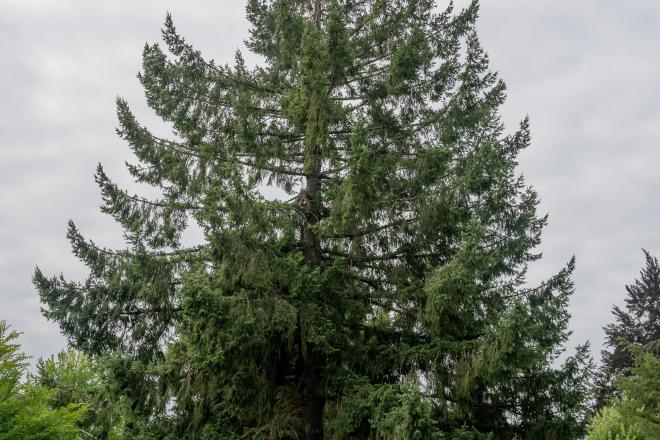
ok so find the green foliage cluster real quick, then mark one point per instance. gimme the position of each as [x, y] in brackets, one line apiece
[609, 424]
[380, 295]
[635, 414]
[638, 324]
[72, 378]
[24, 410]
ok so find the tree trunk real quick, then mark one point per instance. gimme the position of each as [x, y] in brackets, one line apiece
[313, 361]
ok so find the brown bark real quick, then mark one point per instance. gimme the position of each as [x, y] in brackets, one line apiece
[312, 359]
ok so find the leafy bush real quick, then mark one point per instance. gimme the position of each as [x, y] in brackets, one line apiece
[610, 425]
[24, 410]
[635, 415]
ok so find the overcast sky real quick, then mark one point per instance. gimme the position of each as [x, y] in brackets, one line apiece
[587, 72]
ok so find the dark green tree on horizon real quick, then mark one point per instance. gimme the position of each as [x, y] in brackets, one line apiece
[383, 296]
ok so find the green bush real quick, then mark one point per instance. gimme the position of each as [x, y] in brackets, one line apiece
[609, 424]
[635, 415]
[24, 410]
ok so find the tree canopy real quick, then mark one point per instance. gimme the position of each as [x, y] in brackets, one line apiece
[366, 237]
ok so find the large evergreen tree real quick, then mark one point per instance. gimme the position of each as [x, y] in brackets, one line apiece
[381, 295]
[638, 324]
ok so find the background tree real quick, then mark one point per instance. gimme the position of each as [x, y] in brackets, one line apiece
[638, 324]
[74, 378]
[609, 424]
[640, 402]
[365, 241]
[24, 413]
[635, 413]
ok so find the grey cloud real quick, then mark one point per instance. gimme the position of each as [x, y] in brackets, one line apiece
[64, 63]
[586, 73]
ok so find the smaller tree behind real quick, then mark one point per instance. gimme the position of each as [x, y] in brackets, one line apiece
[640, 391]
[635, 413]
[638, 324]
[609, 424]
[24, 410]
[75, 378]
[70, 374]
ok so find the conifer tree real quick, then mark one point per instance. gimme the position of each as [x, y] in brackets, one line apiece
[638, 324]
[382, 295]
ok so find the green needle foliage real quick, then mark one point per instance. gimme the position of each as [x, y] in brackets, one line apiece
[609, 424]
[635, 413]
[638, 323]
[640, 393]
[74, 378]
[366, 238]
[24, 410]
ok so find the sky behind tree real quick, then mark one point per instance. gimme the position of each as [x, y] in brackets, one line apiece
[585, 72]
